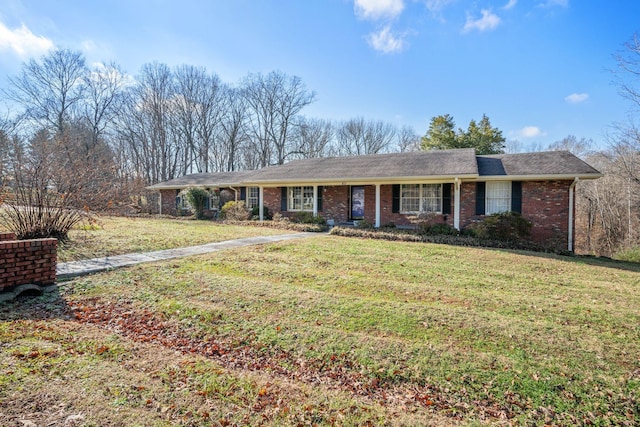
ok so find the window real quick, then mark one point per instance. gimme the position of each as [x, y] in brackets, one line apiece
[182, 204]
[498, 197]
[416, 198]
[301, 198]
[214, 201]
[253, 197]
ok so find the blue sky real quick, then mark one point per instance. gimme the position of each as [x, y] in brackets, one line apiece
[540, 69]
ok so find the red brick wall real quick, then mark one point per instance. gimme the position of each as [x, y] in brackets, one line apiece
[168, 202]
[387, 215]
[544, 203]
[27, 262]
[7, 235]
[271, 198]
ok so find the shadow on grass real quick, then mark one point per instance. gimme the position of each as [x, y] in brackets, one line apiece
[591, 260]
[31, 306]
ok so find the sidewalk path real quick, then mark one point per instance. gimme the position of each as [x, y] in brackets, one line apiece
[77, 268]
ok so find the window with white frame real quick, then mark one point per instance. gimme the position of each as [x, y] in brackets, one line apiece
[498, 197]
[301, 198]
[253, 197]
[417, 198]
[214, 201]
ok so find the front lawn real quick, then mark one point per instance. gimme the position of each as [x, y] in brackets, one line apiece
[331, 331]
[119, 235]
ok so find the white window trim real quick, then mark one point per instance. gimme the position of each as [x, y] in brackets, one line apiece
[290, 199]
[253, 200]
[420, 199]
[488, 184]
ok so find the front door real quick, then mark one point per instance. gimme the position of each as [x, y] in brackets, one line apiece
[357, 202]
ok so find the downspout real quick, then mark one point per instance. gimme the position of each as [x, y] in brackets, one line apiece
[571, 213]
[235, 192]
[160, 201]
[261, 203]
[456, 204]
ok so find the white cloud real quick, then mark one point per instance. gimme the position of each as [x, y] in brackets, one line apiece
[510, 5]
[378, 9]
[529, 132]
[23, 42]
[488, 21]
[576, 98]
[436, 5]
[385, 41]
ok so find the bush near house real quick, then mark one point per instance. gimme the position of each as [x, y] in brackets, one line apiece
[234, 211]
[504, 226]
[197, 198]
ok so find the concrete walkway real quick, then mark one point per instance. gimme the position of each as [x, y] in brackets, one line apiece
[67, 270]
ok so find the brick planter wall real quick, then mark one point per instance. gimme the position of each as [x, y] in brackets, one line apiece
[7, 236]
[27, 262]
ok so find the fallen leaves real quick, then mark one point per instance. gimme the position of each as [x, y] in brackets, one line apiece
[336, 372]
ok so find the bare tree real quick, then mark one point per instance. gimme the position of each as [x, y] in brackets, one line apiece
[313, 138]
[357, 137]
[582, 147]
[145, 126]
[274, 101]
[628, 70]
[48, 90]
[408, 139]
[103, 98]
[198, 111]
[233, 130]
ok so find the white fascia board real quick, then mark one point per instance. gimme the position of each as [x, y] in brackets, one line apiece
[570, 177]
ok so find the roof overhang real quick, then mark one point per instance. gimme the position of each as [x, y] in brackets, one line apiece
[358, 181]
[546, 177]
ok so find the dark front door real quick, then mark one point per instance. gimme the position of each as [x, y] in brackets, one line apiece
[357, 202]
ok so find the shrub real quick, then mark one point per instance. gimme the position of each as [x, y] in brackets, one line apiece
[364, 225]
[439, 229]
[255, 212]
[506, 227]
[197, 198]
[278, 217]
[234, 211]
[308, 218]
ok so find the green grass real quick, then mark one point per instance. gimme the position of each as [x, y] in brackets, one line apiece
[629, 255]
[119, 235]
[334, 331]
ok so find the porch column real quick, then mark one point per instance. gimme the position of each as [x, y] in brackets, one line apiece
[315, 200]
[377, 206]
[261, 202]
[456, 203]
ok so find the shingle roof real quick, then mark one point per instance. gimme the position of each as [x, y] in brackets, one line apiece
[559, 163]
[444, 163]
[213, 179]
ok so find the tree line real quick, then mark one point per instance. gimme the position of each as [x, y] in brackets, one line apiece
[167, 122]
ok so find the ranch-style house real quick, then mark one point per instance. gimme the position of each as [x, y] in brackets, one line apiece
[456, 187]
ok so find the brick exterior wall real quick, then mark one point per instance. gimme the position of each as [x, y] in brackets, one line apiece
[27, 262]
[544, 203]
[168, 202]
